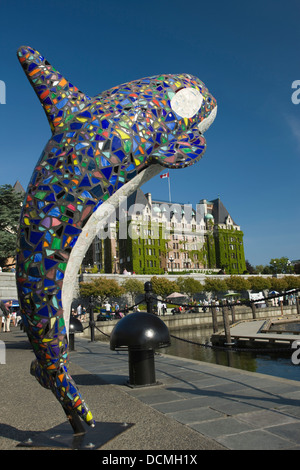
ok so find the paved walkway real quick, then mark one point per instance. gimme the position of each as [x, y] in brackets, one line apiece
[197, 406]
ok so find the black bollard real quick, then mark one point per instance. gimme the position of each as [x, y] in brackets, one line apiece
[148, 296]
[92, 321]
[140, 334]
[75, 327]
[298, 305]
[141, 368]
[71, 342]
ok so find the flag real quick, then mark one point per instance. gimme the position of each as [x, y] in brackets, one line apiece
[166, 175]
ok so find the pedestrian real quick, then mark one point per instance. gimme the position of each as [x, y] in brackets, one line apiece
[1, 314]
[14, 317]
[18, 317]
[117, 310]
[79, 310]
[107, 308]
[84, 314]
[126, 310]
[7, 316]
[159, 308]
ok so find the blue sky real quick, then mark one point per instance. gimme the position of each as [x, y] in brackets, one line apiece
[247, 54]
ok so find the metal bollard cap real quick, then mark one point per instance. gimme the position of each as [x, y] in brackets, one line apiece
[140, 331]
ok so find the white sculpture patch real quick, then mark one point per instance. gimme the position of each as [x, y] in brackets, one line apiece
[187, 102]
[207, 122]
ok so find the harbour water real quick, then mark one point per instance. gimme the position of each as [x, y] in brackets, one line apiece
[278, 364]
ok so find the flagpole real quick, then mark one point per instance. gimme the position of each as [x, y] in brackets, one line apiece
[167, 175]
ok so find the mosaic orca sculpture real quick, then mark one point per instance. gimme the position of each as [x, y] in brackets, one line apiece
[101, 148]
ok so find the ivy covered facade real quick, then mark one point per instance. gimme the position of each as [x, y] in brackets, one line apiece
[155, 237]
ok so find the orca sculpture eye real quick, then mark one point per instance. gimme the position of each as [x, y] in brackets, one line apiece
[187, 102]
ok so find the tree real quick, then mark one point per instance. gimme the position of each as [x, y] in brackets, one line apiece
[215, 285]
[281, 265]
[133, 286]
[297, 268]
[163, 287]
[279, 285]
[258, 284]
[101, 288]
[249, 267]
[189, 286]
[259, 269]
[293, 282]
[237, 283]
[10, 209]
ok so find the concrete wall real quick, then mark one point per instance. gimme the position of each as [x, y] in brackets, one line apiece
[8, 287]
[199, 276]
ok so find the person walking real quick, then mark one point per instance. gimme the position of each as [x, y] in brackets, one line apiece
[107, 308]
[117, 310]
[6, 311]
[79, 311]
[1, 314]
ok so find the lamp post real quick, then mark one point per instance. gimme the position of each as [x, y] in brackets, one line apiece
[171, 259]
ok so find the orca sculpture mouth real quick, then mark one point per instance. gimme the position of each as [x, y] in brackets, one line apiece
[207, 122]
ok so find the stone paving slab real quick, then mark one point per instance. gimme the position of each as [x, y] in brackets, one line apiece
[236, 408]
[28, 410]
[196, 406]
